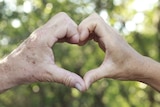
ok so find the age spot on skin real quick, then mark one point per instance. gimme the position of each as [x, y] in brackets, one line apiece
[33, 62]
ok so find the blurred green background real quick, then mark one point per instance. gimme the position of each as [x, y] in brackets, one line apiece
[137, 20]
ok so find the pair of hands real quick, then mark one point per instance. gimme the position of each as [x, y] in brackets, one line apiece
[33, 60]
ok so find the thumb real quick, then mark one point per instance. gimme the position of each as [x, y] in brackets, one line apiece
[60, 75]
[94, 75]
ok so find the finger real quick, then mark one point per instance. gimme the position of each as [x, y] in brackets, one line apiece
[94, 75]
[83, 32]
[72, 31]
[59, 28]
[72, 34]
[89, 28]
[98, 73]
[74, 39]
[81, 43]
[65, 77]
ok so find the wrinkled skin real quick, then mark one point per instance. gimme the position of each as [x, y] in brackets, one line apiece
[33, 60]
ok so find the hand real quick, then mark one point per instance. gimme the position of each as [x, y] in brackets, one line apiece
[33, 60]
[120, 58]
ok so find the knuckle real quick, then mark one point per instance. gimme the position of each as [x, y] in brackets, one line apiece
[64, 18]
[62, 14]
[37, 37]
[96, 18]
[95, 15]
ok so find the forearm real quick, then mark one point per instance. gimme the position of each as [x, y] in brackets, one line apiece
[148, 72]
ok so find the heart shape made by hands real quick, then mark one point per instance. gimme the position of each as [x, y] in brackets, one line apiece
[66, 30]
[36, 59]
[93, 27]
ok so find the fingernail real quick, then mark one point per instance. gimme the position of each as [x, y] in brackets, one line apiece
[78, 86]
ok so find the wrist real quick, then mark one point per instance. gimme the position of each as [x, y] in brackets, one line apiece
[147, 70]
[141, 69]
[151, 73]
[7, 79]
[11, 74]
[138, 69]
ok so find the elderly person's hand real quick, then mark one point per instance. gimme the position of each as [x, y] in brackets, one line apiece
[121, 61]
[33, 60]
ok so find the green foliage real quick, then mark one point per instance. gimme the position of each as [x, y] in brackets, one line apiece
[145, 38]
